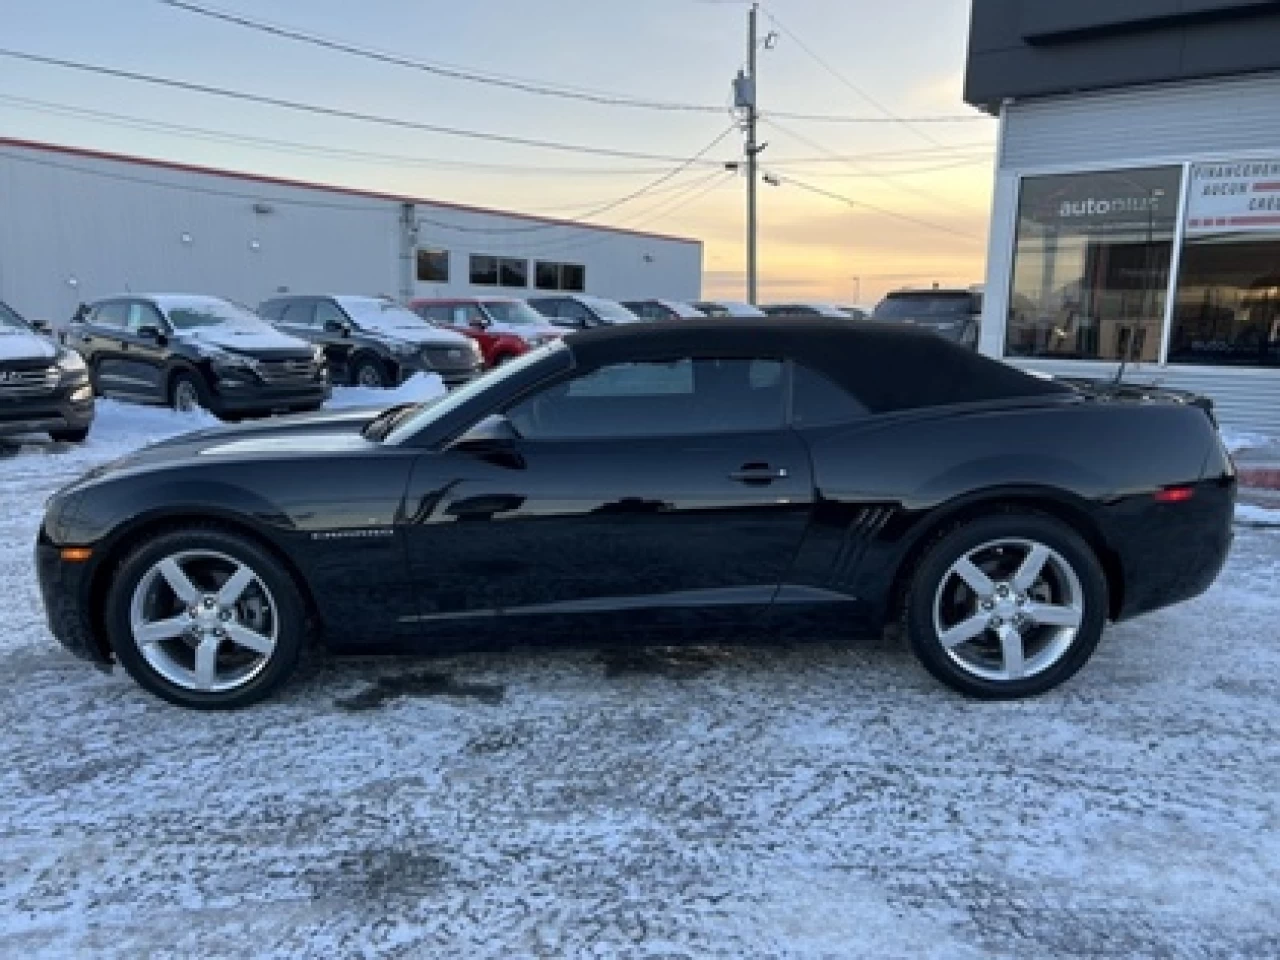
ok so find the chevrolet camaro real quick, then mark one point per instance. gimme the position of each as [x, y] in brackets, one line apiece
[655, 483]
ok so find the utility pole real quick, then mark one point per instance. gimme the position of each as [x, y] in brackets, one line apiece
[744, 99]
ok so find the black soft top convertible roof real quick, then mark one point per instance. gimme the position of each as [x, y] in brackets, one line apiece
[887, 366]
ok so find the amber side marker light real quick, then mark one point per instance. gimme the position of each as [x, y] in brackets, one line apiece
[76, 554]
[1175, 495]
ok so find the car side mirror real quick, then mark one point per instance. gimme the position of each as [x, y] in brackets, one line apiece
[493, 434]
[477, 323]
[42, 326]
[151, 332]
[338, 327]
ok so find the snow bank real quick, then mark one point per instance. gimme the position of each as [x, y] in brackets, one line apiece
[1238, 440]
[419, 387]
[1254, 516]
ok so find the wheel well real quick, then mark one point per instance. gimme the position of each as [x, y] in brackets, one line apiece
[105, 573]
[1076, 519]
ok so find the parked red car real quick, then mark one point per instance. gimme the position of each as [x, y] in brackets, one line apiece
[503, 326]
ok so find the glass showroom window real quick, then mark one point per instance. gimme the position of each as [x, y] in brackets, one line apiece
[1091, 264]
[1227, 310]
[484, 271]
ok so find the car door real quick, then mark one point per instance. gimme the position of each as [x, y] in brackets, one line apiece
[100, 338]
[653, 494]
[332, 328]
[144, 349]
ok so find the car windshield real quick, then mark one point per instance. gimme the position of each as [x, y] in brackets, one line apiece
[515, 312]
[426, 413]
[612, 312]
[955, 306]
[380, 314]
[199, 314]
[9, 320]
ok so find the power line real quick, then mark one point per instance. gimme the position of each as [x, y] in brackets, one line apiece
[639, 220]
[299, 107]
[605, 208]
[877, 209]
[847, 82]
[452, 73]
[540, 88]
[889, 178]
[833, 118]
[292, 146]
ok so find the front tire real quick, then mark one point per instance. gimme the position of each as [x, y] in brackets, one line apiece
[1006, 606]
[206, 619]
[187, 393]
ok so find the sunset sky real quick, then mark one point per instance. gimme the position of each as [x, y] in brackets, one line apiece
[903, 59]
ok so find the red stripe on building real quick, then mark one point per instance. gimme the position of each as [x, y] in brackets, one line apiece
[1262, 479]
[1269, 185]
[1257, 221]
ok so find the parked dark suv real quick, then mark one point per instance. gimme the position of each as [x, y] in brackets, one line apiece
[954, 314]
[375, 342]
[190, 351]
[44, 388]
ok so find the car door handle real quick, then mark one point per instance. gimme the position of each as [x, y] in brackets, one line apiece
[758, 473]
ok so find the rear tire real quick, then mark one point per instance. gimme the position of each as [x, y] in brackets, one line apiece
[370, 372]
[206, 619]
[69, 436]
[1006, 606]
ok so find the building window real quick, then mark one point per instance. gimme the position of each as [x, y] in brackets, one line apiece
[570, 277]
[513, 273]
[1091, 264]
[1227, 309]
[499, 272]
[573, 277]
[433, 266]
[484, 271]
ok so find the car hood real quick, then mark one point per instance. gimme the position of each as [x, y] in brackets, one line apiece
[20, 345]
[421, 334]
[286, 438]
[246, 340]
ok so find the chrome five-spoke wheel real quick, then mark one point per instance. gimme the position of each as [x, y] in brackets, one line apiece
[1008, 609]
[204, 621]
[1006, 605]
[206, 617]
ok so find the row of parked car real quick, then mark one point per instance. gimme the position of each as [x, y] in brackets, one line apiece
[190, 351]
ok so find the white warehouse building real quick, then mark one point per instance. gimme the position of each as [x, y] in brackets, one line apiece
[80, 224]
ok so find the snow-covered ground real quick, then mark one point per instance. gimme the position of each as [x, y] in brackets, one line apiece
[824, 799]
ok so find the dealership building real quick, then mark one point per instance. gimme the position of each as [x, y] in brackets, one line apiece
[80, 224]
[1137, 199]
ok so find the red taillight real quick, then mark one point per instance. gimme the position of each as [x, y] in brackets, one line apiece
[1175, 495]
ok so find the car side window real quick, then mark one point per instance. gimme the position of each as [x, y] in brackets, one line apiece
[466, 315]
[680, 397]
[111, 315]
[299, 313]
[817, 401]
[141, 315]
[574, 313]
[440, 315]
[326, 313]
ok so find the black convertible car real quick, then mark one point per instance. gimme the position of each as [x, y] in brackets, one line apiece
[718, 478]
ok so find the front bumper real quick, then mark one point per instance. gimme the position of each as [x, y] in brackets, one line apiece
[257, 397]
[452, 375]
[64, 587]
[52, 412]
